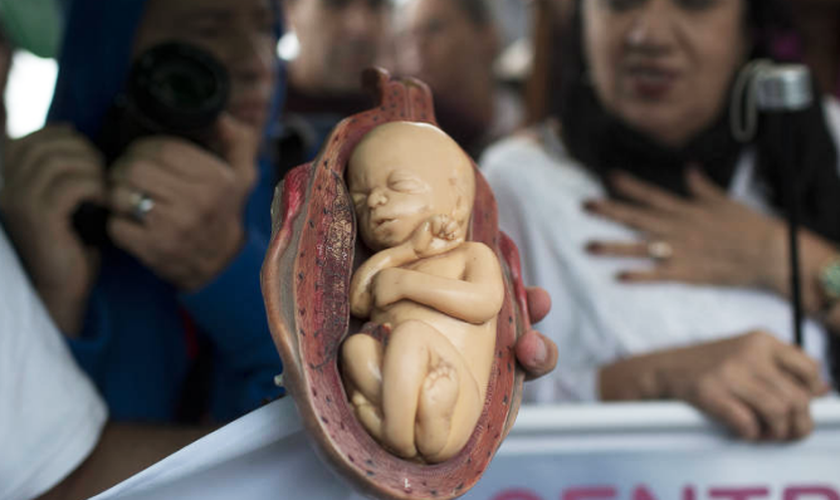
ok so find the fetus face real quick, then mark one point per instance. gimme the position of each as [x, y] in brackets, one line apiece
[399, 176]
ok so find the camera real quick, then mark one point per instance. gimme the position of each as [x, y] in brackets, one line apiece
[172, 89]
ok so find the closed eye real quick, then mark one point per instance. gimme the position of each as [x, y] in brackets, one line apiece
[411, 186]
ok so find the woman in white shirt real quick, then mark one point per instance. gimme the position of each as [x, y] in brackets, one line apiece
[660, 237]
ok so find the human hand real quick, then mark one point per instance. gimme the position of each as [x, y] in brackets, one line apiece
[710, 239]
[194, 228]
[536, 353]
[48, 175]
[436, 236]
[361, 298]
[756, 385]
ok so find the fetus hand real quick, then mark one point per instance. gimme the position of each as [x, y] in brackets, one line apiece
[436, 236]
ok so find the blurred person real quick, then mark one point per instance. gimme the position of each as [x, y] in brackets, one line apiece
[338, 40]
[167, 320]
[549, 25]
[661, 237]
[452, 46]
[53, 429]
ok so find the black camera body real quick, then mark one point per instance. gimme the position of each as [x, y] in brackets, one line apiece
[172, 89]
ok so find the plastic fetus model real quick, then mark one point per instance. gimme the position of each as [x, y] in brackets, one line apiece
[317, 267]
[422, 392]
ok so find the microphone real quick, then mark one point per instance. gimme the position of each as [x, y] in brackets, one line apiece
[782, 90]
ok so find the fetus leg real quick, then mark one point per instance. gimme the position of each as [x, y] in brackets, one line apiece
[361, 361]
[422, 377]
[449, 404]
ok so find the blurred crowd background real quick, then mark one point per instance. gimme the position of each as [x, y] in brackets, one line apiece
[646, 194]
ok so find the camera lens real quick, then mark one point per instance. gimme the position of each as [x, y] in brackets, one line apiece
[172, 89]
[182, 87]
[178, 88]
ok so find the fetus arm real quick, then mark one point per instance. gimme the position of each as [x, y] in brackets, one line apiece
[476, 298]
[360, 297]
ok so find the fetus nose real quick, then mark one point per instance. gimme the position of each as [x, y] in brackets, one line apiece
[377, 198]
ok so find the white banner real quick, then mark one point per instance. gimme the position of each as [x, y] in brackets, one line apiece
[657, 452]
[628, 452]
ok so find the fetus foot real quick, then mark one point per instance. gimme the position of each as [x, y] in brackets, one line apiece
[368, 414]
[436, 405]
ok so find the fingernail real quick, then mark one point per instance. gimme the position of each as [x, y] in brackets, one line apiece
[540, 353]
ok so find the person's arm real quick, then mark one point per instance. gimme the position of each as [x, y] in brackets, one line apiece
[122, 451]
[711, 239]
[199, 238]
[755, 384]
[47, 176]
[435, 236]
[476, 298]
[360, 286]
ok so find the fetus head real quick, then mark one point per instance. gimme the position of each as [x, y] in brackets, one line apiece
[403, 173]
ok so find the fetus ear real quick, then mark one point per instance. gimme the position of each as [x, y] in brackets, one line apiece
[464, 190]
[462, 210]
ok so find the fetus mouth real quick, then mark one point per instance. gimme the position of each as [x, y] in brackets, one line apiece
[382, 221]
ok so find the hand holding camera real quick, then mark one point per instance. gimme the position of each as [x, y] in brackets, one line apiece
[181, 168]
[194, 228]
[48, 174]
[168, 184]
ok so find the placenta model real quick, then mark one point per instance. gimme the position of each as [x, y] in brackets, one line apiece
[421, 390]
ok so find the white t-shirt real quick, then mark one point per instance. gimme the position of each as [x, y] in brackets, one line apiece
[50, 413]
[595, 319]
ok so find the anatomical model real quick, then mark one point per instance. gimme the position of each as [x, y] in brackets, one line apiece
[427, 272]
[422, 392]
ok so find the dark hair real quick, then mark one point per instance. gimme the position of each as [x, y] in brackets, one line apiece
[478, 11]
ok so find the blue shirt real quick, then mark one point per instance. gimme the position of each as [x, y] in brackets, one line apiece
[135, 339]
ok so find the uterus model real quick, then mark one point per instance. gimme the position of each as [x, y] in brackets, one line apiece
[395, 302]
[421, 393]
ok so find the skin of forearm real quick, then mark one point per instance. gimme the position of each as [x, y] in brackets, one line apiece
[392, 257]
[67, 314]
[633, 379]
[360, 302]
[123, 450]
[472, 302]
[386, 259]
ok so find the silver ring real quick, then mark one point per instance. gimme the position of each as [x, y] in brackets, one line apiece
[141, 205]
[660, 250]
